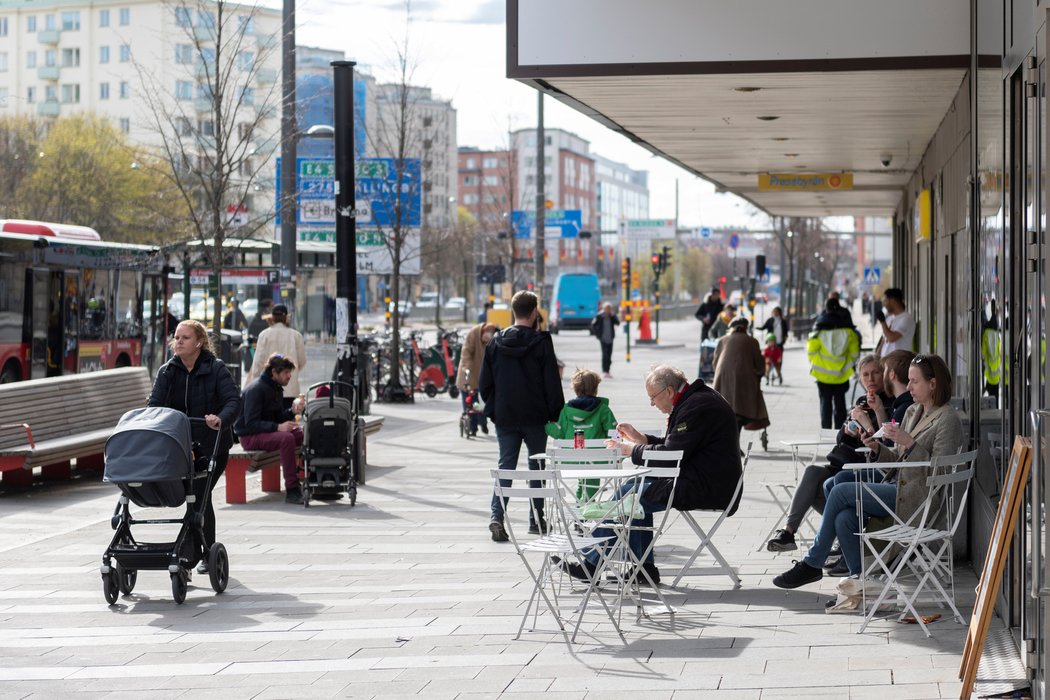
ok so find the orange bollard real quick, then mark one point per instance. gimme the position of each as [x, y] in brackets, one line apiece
[645, 333]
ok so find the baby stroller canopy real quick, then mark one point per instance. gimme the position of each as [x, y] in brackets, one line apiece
[150, 445]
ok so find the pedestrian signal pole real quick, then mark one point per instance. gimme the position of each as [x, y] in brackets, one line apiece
[626, 284]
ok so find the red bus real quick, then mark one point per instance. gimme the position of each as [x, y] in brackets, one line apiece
[71, 302]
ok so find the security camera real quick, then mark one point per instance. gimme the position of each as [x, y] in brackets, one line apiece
[886, 159]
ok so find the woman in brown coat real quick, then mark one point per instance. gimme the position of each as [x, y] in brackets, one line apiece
[469, 372]
[739, 369]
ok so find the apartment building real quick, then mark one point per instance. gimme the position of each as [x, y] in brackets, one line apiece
[569, 178]
[621, 193]
[488, 187]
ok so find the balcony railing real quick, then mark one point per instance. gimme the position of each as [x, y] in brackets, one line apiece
[47, 72]
[48, 108]
[48, 37]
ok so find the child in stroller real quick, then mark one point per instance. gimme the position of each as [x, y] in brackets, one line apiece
[151, 457]
[333, 445]
[471, 416]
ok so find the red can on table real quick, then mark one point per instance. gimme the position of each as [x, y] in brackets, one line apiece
[577, 439]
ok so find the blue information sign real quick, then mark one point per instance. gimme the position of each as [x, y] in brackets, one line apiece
[734, 241]
[569, 221]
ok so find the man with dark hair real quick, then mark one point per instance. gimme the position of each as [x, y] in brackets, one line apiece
[898, 327]
[708, 312]
[522, 392]
[266, 425]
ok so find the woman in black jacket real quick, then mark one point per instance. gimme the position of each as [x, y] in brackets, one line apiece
[197, 383]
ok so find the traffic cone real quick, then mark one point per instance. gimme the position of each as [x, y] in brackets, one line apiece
[645, 333]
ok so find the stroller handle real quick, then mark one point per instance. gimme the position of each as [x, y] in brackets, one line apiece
[215, 447]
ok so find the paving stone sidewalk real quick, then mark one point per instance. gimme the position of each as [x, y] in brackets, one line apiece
[405, 595]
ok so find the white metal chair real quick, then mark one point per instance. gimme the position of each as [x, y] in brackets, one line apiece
[560, 541]
[594, 443]
[782, 493]
[706, 538]
[916, 553]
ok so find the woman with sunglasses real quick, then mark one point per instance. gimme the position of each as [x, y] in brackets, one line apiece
[930, 428]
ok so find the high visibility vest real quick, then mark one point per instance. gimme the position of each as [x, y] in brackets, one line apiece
[831, 354]
[991, 355]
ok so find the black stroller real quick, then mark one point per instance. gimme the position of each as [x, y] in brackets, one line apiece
[333, 446]
[152, 458]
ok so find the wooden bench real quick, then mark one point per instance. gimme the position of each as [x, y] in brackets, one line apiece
[50, 422]
[242, 462]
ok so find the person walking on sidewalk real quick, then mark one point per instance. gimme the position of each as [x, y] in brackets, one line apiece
[470, 359]
[266, 425]
[739, 369]
[522, 392]
[603, 327]
[708, 312]
[832, 349]
[284, 340]
[197, 383]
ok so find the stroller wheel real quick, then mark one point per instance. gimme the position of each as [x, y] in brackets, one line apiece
[111, 586]
[126, 579]
[178, 587]
[453, 391]
[352, 492]
[218, 567]
[430, 390]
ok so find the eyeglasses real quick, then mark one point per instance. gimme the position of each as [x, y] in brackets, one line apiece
[652, 397]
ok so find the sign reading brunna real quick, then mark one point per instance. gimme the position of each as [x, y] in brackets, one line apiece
[804, 182]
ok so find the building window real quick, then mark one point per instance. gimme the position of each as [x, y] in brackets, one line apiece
[471, 163]
[3, 61]
[490, 180]
[206, 19]
[103, 91]
[71, 94]
[183, 126]
[3, 26]
[248, 95]
[49, 23]
[103, 18]
[183, 17]
[247, 24]
[30, 95]
[183, 54]
[31, 24]
[470, 199]
[70, 21]
[50, 58]
[125, 90]
[103, 54]
[125, 16]
[70, 58]
[183, 90]
[125, 124]
[206, 127]
[245, 60]
[50, 94]
[125, 53]
[30, 59]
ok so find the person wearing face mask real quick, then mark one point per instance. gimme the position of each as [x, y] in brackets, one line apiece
[197, 383]
[467, 375]
[520, 386]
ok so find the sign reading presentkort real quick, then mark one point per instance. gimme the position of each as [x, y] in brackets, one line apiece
[804, 182]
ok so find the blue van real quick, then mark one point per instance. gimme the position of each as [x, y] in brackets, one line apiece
[576, 300]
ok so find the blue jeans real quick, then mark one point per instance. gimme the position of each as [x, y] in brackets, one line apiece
[509, 439]
[638, 540]
[848, 476]
[840, 519]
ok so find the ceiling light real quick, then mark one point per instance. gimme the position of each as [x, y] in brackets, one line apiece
[780, 138]
[791, 155]
[768, 118]
[747, 89]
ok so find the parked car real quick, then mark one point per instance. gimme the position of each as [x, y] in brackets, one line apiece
[404, 307]
[456, 303]
[577, 296]
[427, 300]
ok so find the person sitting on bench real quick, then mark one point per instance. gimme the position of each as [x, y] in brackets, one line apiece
[266, 425]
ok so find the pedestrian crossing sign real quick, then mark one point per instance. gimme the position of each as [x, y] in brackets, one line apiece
[872, 276]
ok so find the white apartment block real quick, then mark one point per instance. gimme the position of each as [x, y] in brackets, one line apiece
[622, 193]
[568, 171]
[62, 57]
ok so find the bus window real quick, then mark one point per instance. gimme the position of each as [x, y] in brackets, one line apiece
[12, 294]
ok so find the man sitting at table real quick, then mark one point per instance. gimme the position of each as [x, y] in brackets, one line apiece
[701, 424]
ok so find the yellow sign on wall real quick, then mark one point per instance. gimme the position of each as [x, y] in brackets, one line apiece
[922, 223]
[804, 182]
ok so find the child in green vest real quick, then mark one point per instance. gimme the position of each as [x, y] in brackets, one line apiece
[587, 412]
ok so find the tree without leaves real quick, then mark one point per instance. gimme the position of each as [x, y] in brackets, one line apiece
[218, 155]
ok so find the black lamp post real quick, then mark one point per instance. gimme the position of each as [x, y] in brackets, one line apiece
[345, 229]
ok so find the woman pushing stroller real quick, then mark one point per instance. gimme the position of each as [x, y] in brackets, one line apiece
[197, 383]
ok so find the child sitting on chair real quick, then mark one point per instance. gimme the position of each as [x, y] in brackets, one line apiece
[774, 355]
[587, 412]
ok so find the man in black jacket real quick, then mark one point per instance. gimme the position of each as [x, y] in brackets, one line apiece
[701, 424]
[708, 312]
[522, 392]
[266, 425]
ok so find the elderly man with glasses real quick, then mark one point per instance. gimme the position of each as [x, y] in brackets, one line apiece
[701, 424]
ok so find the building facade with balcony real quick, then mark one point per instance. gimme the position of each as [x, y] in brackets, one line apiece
[620, 193]
[488, 187]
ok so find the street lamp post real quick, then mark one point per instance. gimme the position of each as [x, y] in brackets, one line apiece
[345, 230]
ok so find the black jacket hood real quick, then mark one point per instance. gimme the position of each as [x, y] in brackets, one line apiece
[517, 341]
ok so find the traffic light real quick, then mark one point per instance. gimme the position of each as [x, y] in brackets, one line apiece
[666, 259]
[760, 266]
[656, 263]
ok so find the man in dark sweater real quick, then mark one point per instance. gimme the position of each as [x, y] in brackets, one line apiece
[701, 424]
[265, 424]
[520, 386]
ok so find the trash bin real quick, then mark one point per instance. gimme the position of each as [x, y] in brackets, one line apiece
[229, 343]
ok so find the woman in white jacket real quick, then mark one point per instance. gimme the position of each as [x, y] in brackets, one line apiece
[285, 341]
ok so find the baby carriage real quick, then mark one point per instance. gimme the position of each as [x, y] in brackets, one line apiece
[152, 458]
[472, 401]
[707, 360]
[333, 449]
